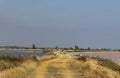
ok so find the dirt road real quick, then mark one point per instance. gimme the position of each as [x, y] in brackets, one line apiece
[56, 68]
[64, 66]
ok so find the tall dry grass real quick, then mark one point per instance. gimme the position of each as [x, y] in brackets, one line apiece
[91, 69]
[18, 72]
[23, 69]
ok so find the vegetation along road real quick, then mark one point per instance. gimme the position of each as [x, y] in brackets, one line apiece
[63, 66]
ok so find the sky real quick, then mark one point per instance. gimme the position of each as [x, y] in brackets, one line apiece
[48, 23]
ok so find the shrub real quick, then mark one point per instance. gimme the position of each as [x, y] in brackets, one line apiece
[83, 58]
[34, 58]
[7, 62]
[13, 59]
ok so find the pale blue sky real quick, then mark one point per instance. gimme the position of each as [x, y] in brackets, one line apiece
[47, 23]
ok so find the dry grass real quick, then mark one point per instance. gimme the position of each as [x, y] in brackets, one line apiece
[91, 69]
[23, 69]
[108, 63]
[65, 66]
[18, 72]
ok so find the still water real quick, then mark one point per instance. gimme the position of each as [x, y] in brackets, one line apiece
[22, 53]
[115, 56]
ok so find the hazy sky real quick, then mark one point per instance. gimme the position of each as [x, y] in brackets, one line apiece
[87, 23]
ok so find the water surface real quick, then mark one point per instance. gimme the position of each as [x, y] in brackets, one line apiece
[22, 53]
[115, 56]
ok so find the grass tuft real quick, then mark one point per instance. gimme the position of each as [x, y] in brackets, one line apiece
[108, 63]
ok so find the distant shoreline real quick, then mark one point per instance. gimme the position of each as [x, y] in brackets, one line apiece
[18, 49]
[52, 49]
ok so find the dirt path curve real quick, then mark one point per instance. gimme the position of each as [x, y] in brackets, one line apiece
[56, 68]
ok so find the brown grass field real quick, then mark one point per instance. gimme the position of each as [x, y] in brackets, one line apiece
[63, 66]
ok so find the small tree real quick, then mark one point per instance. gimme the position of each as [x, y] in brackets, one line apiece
[56, 47]
[71, 48]
[33, 47]
[88, 48]
[76, 47]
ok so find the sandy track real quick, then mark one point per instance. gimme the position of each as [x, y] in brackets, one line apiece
[65, 66]
[56, 68]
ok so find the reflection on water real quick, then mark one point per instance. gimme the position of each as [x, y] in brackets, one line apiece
[22, 52]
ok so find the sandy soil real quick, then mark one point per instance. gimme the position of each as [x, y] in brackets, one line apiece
[65, 66]
[56, 68]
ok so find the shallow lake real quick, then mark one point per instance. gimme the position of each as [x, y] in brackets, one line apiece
[115, 56]
[22, 53]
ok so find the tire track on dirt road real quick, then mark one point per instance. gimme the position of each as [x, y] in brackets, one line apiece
[56, 68]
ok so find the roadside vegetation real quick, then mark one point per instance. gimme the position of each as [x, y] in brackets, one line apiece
[63, 66]
[108, 63]
[7, 62]
[20, 66]
[95, 68]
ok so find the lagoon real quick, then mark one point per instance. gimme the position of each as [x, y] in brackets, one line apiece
[115, 56]
[22, 52]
